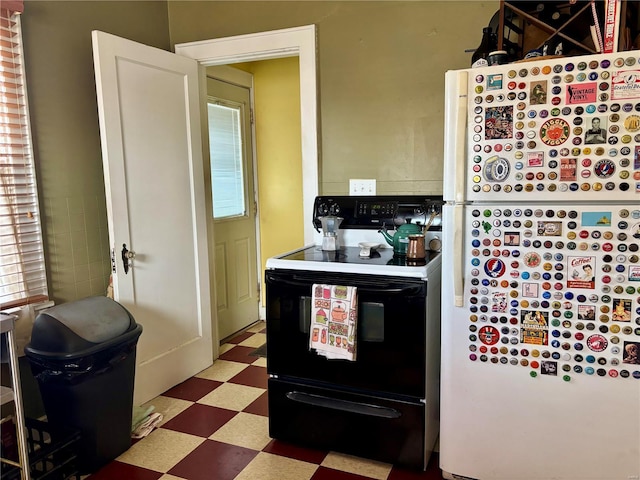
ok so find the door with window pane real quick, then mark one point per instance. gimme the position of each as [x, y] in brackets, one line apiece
[233, 198]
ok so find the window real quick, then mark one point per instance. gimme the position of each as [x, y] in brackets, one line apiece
[225, 150]
[22, 268]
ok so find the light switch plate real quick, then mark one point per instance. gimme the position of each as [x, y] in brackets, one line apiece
[362, 186]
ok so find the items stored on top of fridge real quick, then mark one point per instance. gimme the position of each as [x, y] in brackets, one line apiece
[487, 45]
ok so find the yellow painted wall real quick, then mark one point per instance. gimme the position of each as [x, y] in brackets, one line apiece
[279, 157]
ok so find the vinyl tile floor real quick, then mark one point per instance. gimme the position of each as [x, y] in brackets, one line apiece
[215, 427]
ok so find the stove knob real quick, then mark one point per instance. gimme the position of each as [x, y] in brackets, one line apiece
[323, 210]
[435, 244]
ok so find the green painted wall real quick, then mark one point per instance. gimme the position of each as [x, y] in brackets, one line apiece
[381, 77]
[64, 119]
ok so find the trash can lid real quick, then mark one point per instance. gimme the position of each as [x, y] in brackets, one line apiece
[77, 325]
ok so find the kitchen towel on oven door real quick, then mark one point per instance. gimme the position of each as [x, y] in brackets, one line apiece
[334, 318]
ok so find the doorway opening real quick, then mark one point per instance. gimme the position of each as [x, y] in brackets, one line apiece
[300, 42]
[233, 221]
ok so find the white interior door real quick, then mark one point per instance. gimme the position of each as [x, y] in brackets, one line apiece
[149, 109]
[234, 206]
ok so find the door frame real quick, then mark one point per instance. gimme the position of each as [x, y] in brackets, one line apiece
[289, 42]
[244, 79]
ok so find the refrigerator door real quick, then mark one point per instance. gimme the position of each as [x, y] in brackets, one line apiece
[540, 358]
[561, 129]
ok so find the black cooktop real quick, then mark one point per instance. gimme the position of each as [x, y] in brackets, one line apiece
[383, 256]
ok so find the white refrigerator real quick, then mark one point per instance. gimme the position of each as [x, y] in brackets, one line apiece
[541, 271]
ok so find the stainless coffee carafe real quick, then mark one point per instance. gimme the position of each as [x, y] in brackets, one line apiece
[330, 226]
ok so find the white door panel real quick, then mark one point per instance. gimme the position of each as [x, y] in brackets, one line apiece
[148, 102]
[245, 272]
[235, 236]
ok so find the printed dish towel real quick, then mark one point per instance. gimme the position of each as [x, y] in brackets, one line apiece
[334, 318]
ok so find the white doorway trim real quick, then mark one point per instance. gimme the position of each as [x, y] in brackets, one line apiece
[290, 42]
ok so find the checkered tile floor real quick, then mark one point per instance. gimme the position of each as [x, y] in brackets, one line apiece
[216, 427]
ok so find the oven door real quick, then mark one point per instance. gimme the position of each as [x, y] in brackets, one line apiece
[391, 333]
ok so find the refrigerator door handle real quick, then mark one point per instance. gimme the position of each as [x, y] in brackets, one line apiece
[458, 249]
[460, 133]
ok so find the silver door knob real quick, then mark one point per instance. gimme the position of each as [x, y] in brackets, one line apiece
[127, 258]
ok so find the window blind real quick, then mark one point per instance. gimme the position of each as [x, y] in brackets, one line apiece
[22, 267]
[227, 175]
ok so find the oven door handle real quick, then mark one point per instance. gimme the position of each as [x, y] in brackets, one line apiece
[343, 405]
[412, 290]
[385, 289]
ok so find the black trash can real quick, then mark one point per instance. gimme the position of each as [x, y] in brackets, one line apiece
[83, 355]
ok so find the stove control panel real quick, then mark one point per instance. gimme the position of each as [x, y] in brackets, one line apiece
[374, 212]
[376, 209]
